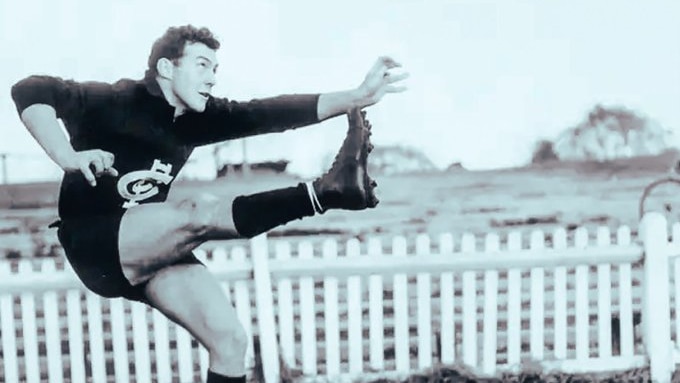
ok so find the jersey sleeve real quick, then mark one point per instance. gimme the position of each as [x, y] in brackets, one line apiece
[225, 120]
[70, 99]
[64, 96]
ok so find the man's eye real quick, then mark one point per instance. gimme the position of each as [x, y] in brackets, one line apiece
[204, 65]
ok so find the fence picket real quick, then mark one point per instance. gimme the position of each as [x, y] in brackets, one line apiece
[94, 332]
[400, 298]
[285, 309]
[676, 278]
[185, 366]
[675, 239]
[582, 309]
[8, 330]
[121, 362]
[446, 299]
[307, 315]
[161, 346]
[537, 310]
[375, 311]
[604, 299]
[243, 307]
[354, 314]
[140, 342]
[203, 357]
[424, 307]
[625, 298]
[55, 367]
[560, 298]
[469, 307]
[656, 303]
[514, 305]
[30, 331]
[204, 361]
[332, 328]
[490, 332]
[264, 300]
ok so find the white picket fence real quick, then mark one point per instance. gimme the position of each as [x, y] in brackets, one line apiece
[335, 311]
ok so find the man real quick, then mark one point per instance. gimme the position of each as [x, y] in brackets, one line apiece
[118, 232]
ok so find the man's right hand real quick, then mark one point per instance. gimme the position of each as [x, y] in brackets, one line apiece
[41, 121]
[92, 164]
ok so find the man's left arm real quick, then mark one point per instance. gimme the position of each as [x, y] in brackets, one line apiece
[224, 120]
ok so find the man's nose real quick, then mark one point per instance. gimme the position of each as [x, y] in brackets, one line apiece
[212, 79]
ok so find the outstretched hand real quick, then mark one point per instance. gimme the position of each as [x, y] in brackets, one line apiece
[380, 81]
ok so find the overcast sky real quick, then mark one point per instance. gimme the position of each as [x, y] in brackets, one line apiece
[488, 78]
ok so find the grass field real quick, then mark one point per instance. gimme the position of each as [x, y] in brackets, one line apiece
[556, 195]
[545, 197]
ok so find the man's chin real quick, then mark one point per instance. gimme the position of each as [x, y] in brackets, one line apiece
[199, 108]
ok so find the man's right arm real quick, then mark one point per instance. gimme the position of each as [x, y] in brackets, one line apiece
[40, 101]
[41, 121]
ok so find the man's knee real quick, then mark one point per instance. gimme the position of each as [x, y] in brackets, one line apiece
[228, 336]
[199, 211]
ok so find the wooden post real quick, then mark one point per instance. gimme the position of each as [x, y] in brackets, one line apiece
[265, 309]
[8, 340]
[401, 318]
[375, 311]
[469, 307]
[3, 165]
[424, 308]
[331, 322]
[245, 165]
[55, 367]
[490, 326]
[656, 323]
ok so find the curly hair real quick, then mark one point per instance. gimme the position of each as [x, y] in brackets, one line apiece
[171, 44]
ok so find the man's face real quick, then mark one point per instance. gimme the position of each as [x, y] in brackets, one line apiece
[194, 76]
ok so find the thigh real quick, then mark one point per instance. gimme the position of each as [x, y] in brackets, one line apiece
[151, 237]
[192, 297]
[155, 235]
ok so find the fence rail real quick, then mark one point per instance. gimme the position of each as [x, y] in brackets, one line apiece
[336, 311]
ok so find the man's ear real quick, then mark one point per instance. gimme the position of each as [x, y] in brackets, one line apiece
[165, 67]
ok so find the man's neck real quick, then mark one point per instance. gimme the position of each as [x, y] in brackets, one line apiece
[170, 97]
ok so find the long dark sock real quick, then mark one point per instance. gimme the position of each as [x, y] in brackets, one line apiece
[257, 213]
[214, 377]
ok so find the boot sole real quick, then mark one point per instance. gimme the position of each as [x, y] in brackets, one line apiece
[357, 120]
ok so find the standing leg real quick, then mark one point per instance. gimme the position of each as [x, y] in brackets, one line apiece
[191, 297]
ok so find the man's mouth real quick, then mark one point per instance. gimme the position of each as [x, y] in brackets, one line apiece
[204, 94]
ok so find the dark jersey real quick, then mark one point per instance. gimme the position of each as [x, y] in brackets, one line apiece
[132, 120]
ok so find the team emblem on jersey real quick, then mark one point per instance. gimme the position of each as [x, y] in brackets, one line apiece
[143, 184]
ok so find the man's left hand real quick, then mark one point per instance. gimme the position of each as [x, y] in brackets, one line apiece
[380, 81]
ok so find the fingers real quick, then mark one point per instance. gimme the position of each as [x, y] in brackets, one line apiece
[382, 64]
[87, 173]
[390, 78]
[388, 62]
[107, 159]
[111, 172]
[103, 163]
[97, 163]
[395, 89]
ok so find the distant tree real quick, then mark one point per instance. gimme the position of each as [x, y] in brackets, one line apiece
[611, 132]
[544, 151]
